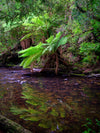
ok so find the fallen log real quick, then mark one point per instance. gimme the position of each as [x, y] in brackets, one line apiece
[10, 126]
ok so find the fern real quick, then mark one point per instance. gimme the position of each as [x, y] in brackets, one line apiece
[31, 59]
[34, 53]
[17, 111]
[26, 36]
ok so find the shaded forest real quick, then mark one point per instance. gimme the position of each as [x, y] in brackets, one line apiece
[50, 66]
[58, 35]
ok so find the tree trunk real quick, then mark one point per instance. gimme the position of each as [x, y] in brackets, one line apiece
[55, 60]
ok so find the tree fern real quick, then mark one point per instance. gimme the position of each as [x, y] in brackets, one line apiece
[34, 53]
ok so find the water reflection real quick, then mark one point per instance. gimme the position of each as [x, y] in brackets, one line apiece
[54, 103]
[50, 112]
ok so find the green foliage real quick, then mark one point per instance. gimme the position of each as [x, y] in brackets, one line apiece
[86, 15]
[53, 43]
[16, 111]
[92, 127]
[83, 31]
[40, 27]
[34, 53]
[13, 9]
[88, 49]
[37, 27]
[9, 35]
[79, 20]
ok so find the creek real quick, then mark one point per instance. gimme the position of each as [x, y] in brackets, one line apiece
[48, 103]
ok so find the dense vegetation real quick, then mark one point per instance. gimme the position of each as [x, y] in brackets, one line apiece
[60, 32]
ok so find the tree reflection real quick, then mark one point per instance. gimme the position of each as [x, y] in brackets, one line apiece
[42, 107]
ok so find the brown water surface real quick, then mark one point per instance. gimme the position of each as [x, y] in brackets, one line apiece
[49, 103]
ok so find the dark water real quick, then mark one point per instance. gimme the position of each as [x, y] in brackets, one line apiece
[51, 104]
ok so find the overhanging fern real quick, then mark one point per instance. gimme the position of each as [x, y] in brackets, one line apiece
[34, 53]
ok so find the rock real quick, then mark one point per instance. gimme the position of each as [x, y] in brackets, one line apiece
[94, 75]
[65, 79]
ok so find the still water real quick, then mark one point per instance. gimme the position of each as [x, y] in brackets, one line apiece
[49, 104]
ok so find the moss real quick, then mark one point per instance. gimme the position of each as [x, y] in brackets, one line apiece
[80, 75]
[11, 126]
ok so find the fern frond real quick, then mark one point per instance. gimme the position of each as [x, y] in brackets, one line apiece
[25, 50]
[17, 111]
[26, 36]
[62, 41]
[45, 51]
[31, 49]
[49, 40]
[32, 58]
[22, 63]
[32, 52]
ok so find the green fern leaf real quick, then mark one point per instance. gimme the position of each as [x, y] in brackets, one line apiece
[33, 111]
[31, 118]
[49, 40]
[62, 41]
[22, 63]
[28, 61]
[31, 52]
[45, 51]
[16, 111]
[31, 59]
[26, 36]
[25, 50]
[44, 125]
[58, 35]
[54, 112]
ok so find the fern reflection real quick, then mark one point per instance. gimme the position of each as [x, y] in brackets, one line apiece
[48, 111]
